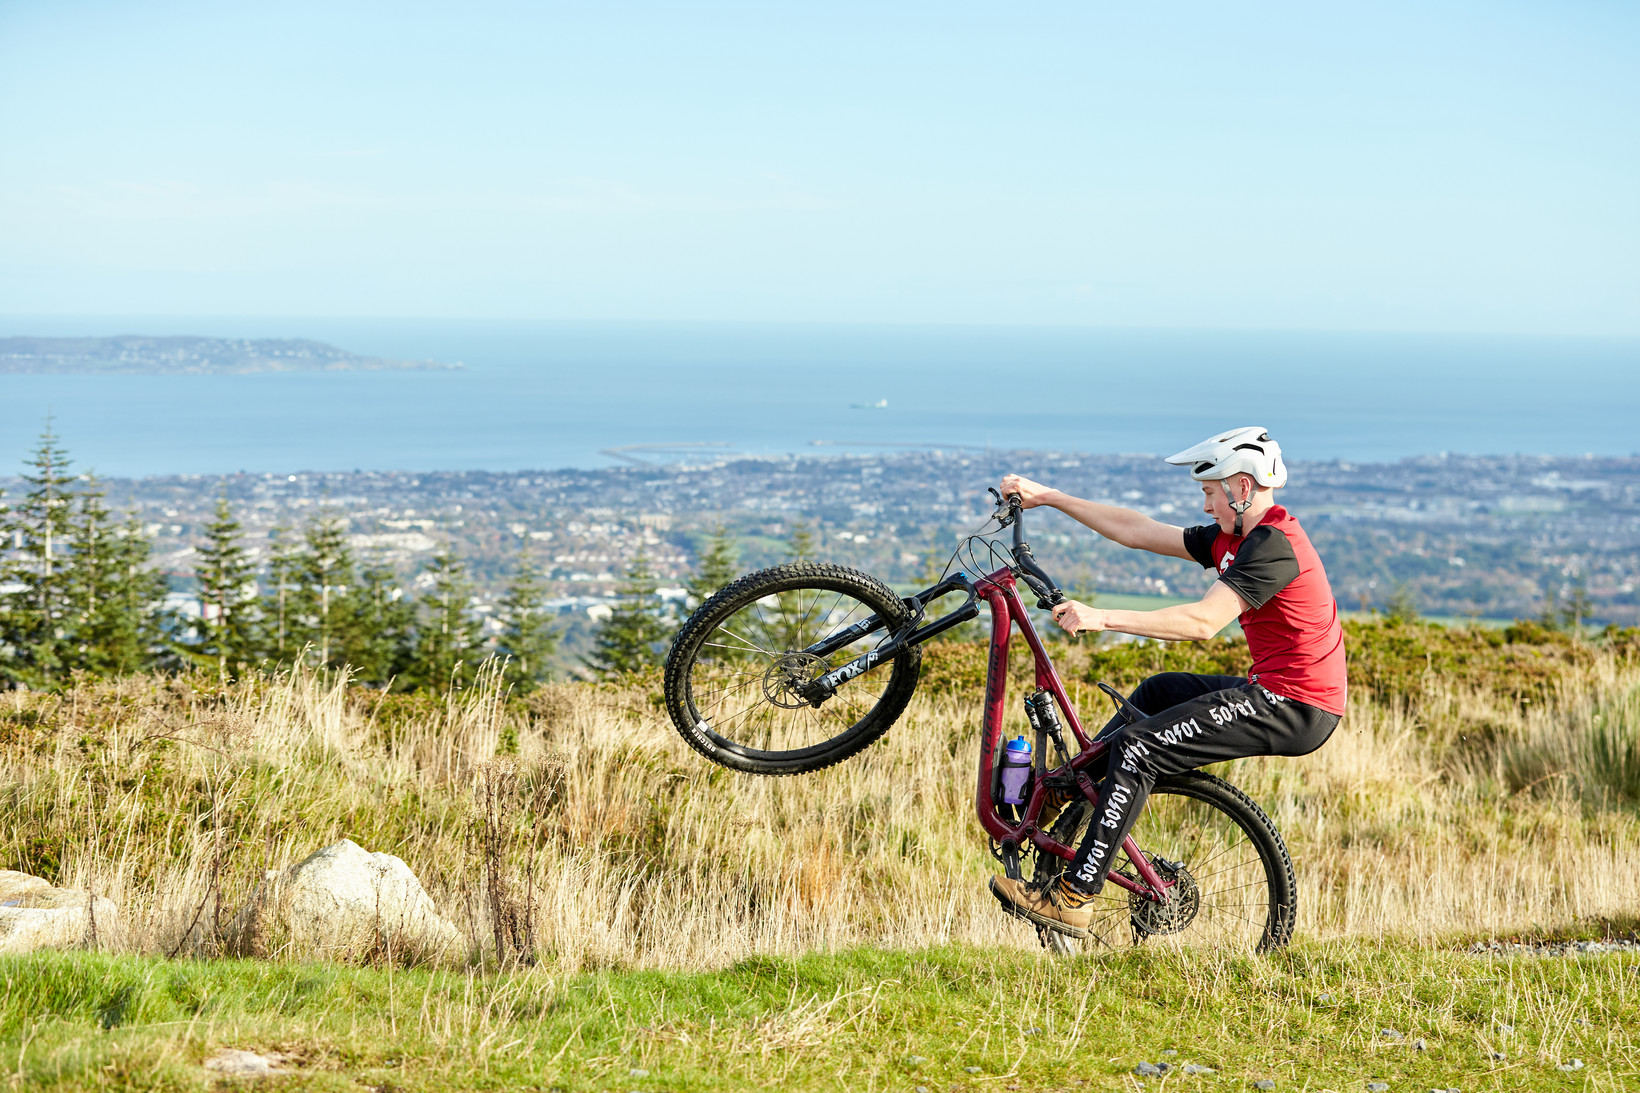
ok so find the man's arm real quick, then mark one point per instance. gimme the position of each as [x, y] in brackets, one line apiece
[1119, 525]
[1185, 622]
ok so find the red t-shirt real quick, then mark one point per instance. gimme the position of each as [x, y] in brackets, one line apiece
[1292, 622]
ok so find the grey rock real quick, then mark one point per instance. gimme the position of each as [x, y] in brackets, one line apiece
[1506, 1029]
[342, 902]
[1033, 1031]
[1391, 1034]
[36, 915]
[243, 1064]
[1497, 1056]
[973, 1069]
[638, 1072]
[1264, 1083]
[922, 1089]
[1193, 1068]
[1419, 1045]
[1171, 1051]
[1148, 1070]
[1325, 999]
[1377, 1087]
[1575, 1064]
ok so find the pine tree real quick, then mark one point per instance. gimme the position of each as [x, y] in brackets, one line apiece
[1578, 606]
[227, 601]
[629, 640]
[447, 646]
[40, 526]
[321, 605]
[527, 635]
[801, 546]
[1552, 618]
[715, 568]
[93, 569]
[134, 624]
[276, 607]
[109, 630]
[384, 627]
[1402, 605]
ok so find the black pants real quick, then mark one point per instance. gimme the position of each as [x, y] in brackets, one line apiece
[1200, 720]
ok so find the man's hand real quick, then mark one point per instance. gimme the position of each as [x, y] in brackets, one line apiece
[1075, 617]
[1031, 494]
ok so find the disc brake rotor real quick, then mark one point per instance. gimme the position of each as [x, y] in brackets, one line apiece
[1178, 912]
[786, 678]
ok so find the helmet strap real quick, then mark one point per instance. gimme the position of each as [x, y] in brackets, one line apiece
[1238, 507]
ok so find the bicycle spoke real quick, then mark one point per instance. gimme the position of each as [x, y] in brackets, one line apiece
[750, 644]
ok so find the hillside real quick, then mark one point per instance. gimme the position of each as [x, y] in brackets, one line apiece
[675, 917]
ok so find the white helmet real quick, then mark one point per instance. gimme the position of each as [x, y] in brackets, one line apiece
[1247, 450]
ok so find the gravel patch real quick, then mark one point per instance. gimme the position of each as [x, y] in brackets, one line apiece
[1551, 948]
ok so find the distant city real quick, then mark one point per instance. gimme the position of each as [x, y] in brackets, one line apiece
[1491, 538]
[186, 355]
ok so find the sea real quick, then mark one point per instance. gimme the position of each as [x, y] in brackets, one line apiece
[547, 395]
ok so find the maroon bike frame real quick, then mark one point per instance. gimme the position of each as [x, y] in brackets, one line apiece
[1007, 611]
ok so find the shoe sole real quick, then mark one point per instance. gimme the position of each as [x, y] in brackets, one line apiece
[1054, 924]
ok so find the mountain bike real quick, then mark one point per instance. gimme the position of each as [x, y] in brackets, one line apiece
[795, 668]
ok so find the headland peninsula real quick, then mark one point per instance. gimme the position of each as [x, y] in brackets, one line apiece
[187, 355]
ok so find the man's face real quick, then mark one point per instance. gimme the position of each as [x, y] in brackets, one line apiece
[1216, 505]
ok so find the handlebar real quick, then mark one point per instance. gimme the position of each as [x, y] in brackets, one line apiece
[1026, 567]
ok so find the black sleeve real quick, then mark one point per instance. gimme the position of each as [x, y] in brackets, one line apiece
[1264, 565]
[1199, 542]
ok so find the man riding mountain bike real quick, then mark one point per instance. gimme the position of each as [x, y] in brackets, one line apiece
[1272, 580]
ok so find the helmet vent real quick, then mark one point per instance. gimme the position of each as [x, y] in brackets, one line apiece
[1202, 468]
[1249, 448]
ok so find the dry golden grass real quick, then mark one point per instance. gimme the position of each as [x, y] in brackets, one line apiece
[610, 843]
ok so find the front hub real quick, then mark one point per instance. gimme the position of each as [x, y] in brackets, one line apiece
[789, 681]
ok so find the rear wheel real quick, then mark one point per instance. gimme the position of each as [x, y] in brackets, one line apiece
[1233, 880]
[737, 673]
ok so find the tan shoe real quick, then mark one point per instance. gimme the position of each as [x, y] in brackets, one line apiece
[1053, 906]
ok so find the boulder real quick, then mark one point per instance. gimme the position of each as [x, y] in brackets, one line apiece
[244, 1064]
[35, 915]
[343, 903]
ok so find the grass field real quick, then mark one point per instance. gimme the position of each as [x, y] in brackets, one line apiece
[712, 928]
[1322, 1016]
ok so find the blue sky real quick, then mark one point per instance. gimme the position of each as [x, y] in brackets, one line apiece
[1380, 166]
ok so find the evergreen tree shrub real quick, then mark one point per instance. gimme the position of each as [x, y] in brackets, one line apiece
[528, 638]
[632, 638]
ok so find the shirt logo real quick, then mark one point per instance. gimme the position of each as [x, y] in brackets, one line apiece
[1226, 561]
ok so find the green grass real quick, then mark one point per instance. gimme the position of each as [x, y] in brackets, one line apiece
[1310, 1019]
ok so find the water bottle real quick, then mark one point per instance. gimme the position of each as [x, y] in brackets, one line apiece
[1016, 770]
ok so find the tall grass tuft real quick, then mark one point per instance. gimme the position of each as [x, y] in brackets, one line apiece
[1587, 748]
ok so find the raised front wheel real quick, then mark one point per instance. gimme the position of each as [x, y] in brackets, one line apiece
[739, 676]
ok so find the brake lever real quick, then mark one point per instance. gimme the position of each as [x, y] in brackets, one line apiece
[1004, 514]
